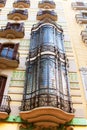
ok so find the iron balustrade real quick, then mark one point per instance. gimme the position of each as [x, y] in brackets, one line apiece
[45, 1]
[24, 1]
[3, 1]
[13, 26]
[84, 35]
[5, 103]
[79, 5]
[81, 17]
[24, 12]
[44, 98]
[41, 12]
[46, 48]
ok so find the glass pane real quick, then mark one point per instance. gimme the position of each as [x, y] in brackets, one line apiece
[10, 53]
[43, 74]
[30, 79]
[60, 42]
[52, 72]
[7, 52]
[34, 40]
[64, 80]
[4, 52]
[48, 36]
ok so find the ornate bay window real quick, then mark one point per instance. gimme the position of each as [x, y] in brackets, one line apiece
[46, 99]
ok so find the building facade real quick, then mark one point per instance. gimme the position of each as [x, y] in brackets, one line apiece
[43, 65]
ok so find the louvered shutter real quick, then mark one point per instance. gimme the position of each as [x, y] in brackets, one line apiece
[15, 50]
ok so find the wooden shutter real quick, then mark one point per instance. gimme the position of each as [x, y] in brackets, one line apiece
[1, 47]
[15, 50]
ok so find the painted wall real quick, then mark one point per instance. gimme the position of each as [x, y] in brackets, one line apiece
[76, 52]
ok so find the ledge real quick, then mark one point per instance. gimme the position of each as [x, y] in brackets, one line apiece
[74, 121]
[46, 116]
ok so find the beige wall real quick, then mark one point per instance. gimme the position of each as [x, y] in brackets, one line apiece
[80, 52]
[76, 52]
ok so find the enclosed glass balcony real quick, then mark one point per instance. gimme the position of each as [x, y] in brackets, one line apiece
[21, 4]
[42, 14]
[46, 99]
[49, 40]
[9, 56]
[12, 31]
[47, 4]
[79, 5]
[4, 106]
[17, 14]
[2, 3]
[81, 18]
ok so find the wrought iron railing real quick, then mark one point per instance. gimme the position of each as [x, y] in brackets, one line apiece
[46, 98]
[5, 103]
[41, 12]
[46, 48]
[3, 1]
[24, 1]
[24, 12]
[45, 1]
[81, 16]
[13, 26]
[79, 5]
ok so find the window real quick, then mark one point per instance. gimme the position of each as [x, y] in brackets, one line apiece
[47, 35]
[9, 51]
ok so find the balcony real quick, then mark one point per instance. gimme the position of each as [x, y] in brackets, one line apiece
[21, 4]
[46, 4]
[9, 56]
[79, 6]
[46, 110]
[2, 3]
[4, 106]
[46, 104]
[12, 31]
[84, 36]
[17, 14]
[81, 18]
[46, 14]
